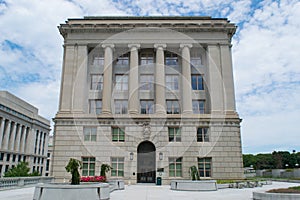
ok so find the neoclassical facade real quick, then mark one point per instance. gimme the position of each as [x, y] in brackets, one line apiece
[23, 134]
[151, 96]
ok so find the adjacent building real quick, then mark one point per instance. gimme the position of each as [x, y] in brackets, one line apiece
[151, 96]
[23, 134]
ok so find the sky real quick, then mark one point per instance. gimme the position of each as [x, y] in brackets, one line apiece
[266, 56]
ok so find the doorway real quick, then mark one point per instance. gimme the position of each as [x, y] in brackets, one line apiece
[146, 158]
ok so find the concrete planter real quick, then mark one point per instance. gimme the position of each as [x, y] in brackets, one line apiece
[275, 196]
[116, 185]
[72, 192]
[188, 185]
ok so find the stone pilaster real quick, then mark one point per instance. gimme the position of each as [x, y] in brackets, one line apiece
[22, 142]
[107, 78]
[215, 83]
[2, 131]
[12, 137]
[17, 144]
[160, 99]
[133, 94]
[6, 135]
[186, 79]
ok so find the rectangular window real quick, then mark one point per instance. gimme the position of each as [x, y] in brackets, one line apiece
[147, 106]
[95, 106]
[197, 82]
[47, 165]
[198, 106]
[14, 158]
[196, 57]
[121, 82]
[123, 60]
[204, 167]
[34, 160]
[98, 60]
[172, 82]
[117, 164]
[147, 58]
[118, 134]
[174, 134]
[19, 158]
[90, 133]
[88, 166]
[96, 82]
[7, 157]
[173, 107]
[147, 82]
[1, 156]
[175, 167]
[171, 59]
[121, 106]
[202, 134]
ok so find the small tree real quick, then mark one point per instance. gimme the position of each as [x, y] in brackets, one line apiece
[194, 173]
[21, 170]
[73, 167]
[104, 169]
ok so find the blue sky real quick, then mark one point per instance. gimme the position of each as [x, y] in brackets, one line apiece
[265, 50]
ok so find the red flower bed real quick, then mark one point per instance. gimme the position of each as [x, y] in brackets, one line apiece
[93, 179]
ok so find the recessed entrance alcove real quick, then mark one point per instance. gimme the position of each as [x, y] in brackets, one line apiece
[146, 162]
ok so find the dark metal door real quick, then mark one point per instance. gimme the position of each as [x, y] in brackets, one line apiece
[146, 162]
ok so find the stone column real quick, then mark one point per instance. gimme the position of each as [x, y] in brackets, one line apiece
[22, 139]
[80, 83]
[133, 93]
[11, 142]
[107, 78]
[41, 143]
[2, 131]
[6, 135]
[215, 85]
[26, 133]
[160, 99]
[46, 145]
[227, 73]
[186, 97]
[17, 144]
[31, 141]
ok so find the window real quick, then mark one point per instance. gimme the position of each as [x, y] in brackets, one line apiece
[34, 160]
[147, 82]
[202, 135]
[88, 166]
[171, 59]
[98, 60]
[1, 156]
[24, 159]
[96, 82]
[7, 157]
[118, 135]
[196, 58]
[172, 82]
[19, 158]
[198, 107]
[121, 83]
[123, 60]
[6, 168]
[90, 133]
[147, 58]
[173, 107]
[95, 106]
[117, 165]
[204, 166]
[197, 82]
[147, 106]
[121, 106]
[174, 134]
[47, 165]
[175, 167]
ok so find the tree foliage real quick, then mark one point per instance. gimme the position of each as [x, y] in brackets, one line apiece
[21, 170]
[194, 173]
[104, 169]
[73, 167]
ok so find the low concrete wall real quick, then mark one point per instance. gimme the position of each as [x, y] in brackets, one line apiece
[188, 185]
[8, 183]
[116, 185]
[275, 196]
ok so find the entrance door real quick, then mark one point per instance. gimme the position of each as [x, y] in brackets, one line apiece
[146, 162]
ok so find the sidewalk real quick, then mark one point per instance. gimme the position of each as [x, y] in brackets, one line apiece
[152, 192]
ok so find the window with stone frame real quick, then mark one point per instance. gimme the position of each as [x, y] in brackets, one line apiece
[95, 106]
[172, 82]
[175, 167]
[205, 167]
[123, 60]
[117, 164]
[173, 107]
[147, 82]
[118, 134]
[171, 59]
[90, 133]
[88, 166]
[121, 82]
[146, 58]
[98, 60]
[96, 82]
[202, 134]
[174, 134]
[198, 106]
[197, 82]
[147, 106]
[196, 57]
[121, 106]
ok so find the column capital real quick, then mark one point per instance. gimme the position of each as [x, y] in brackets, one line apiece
[112, 46]
[157, 46]
[185, 45]
[132, 46]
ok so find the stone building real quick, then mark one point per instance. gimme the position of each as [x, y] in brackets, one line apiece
[151, 96]
[23, 134]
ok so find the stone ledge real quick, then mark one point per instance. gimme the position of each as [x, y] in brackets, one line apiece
[274, 196]
[188, 185]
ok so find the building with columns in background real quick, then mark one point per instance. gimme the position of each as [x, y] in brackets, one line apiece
[150, 96]
[23, 134]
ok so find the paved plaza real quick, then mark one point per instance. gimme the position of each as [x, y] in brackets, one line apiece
[152, 192]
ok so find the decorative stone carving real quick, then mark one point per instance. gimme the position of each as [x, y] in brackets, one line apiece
[147, 130]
